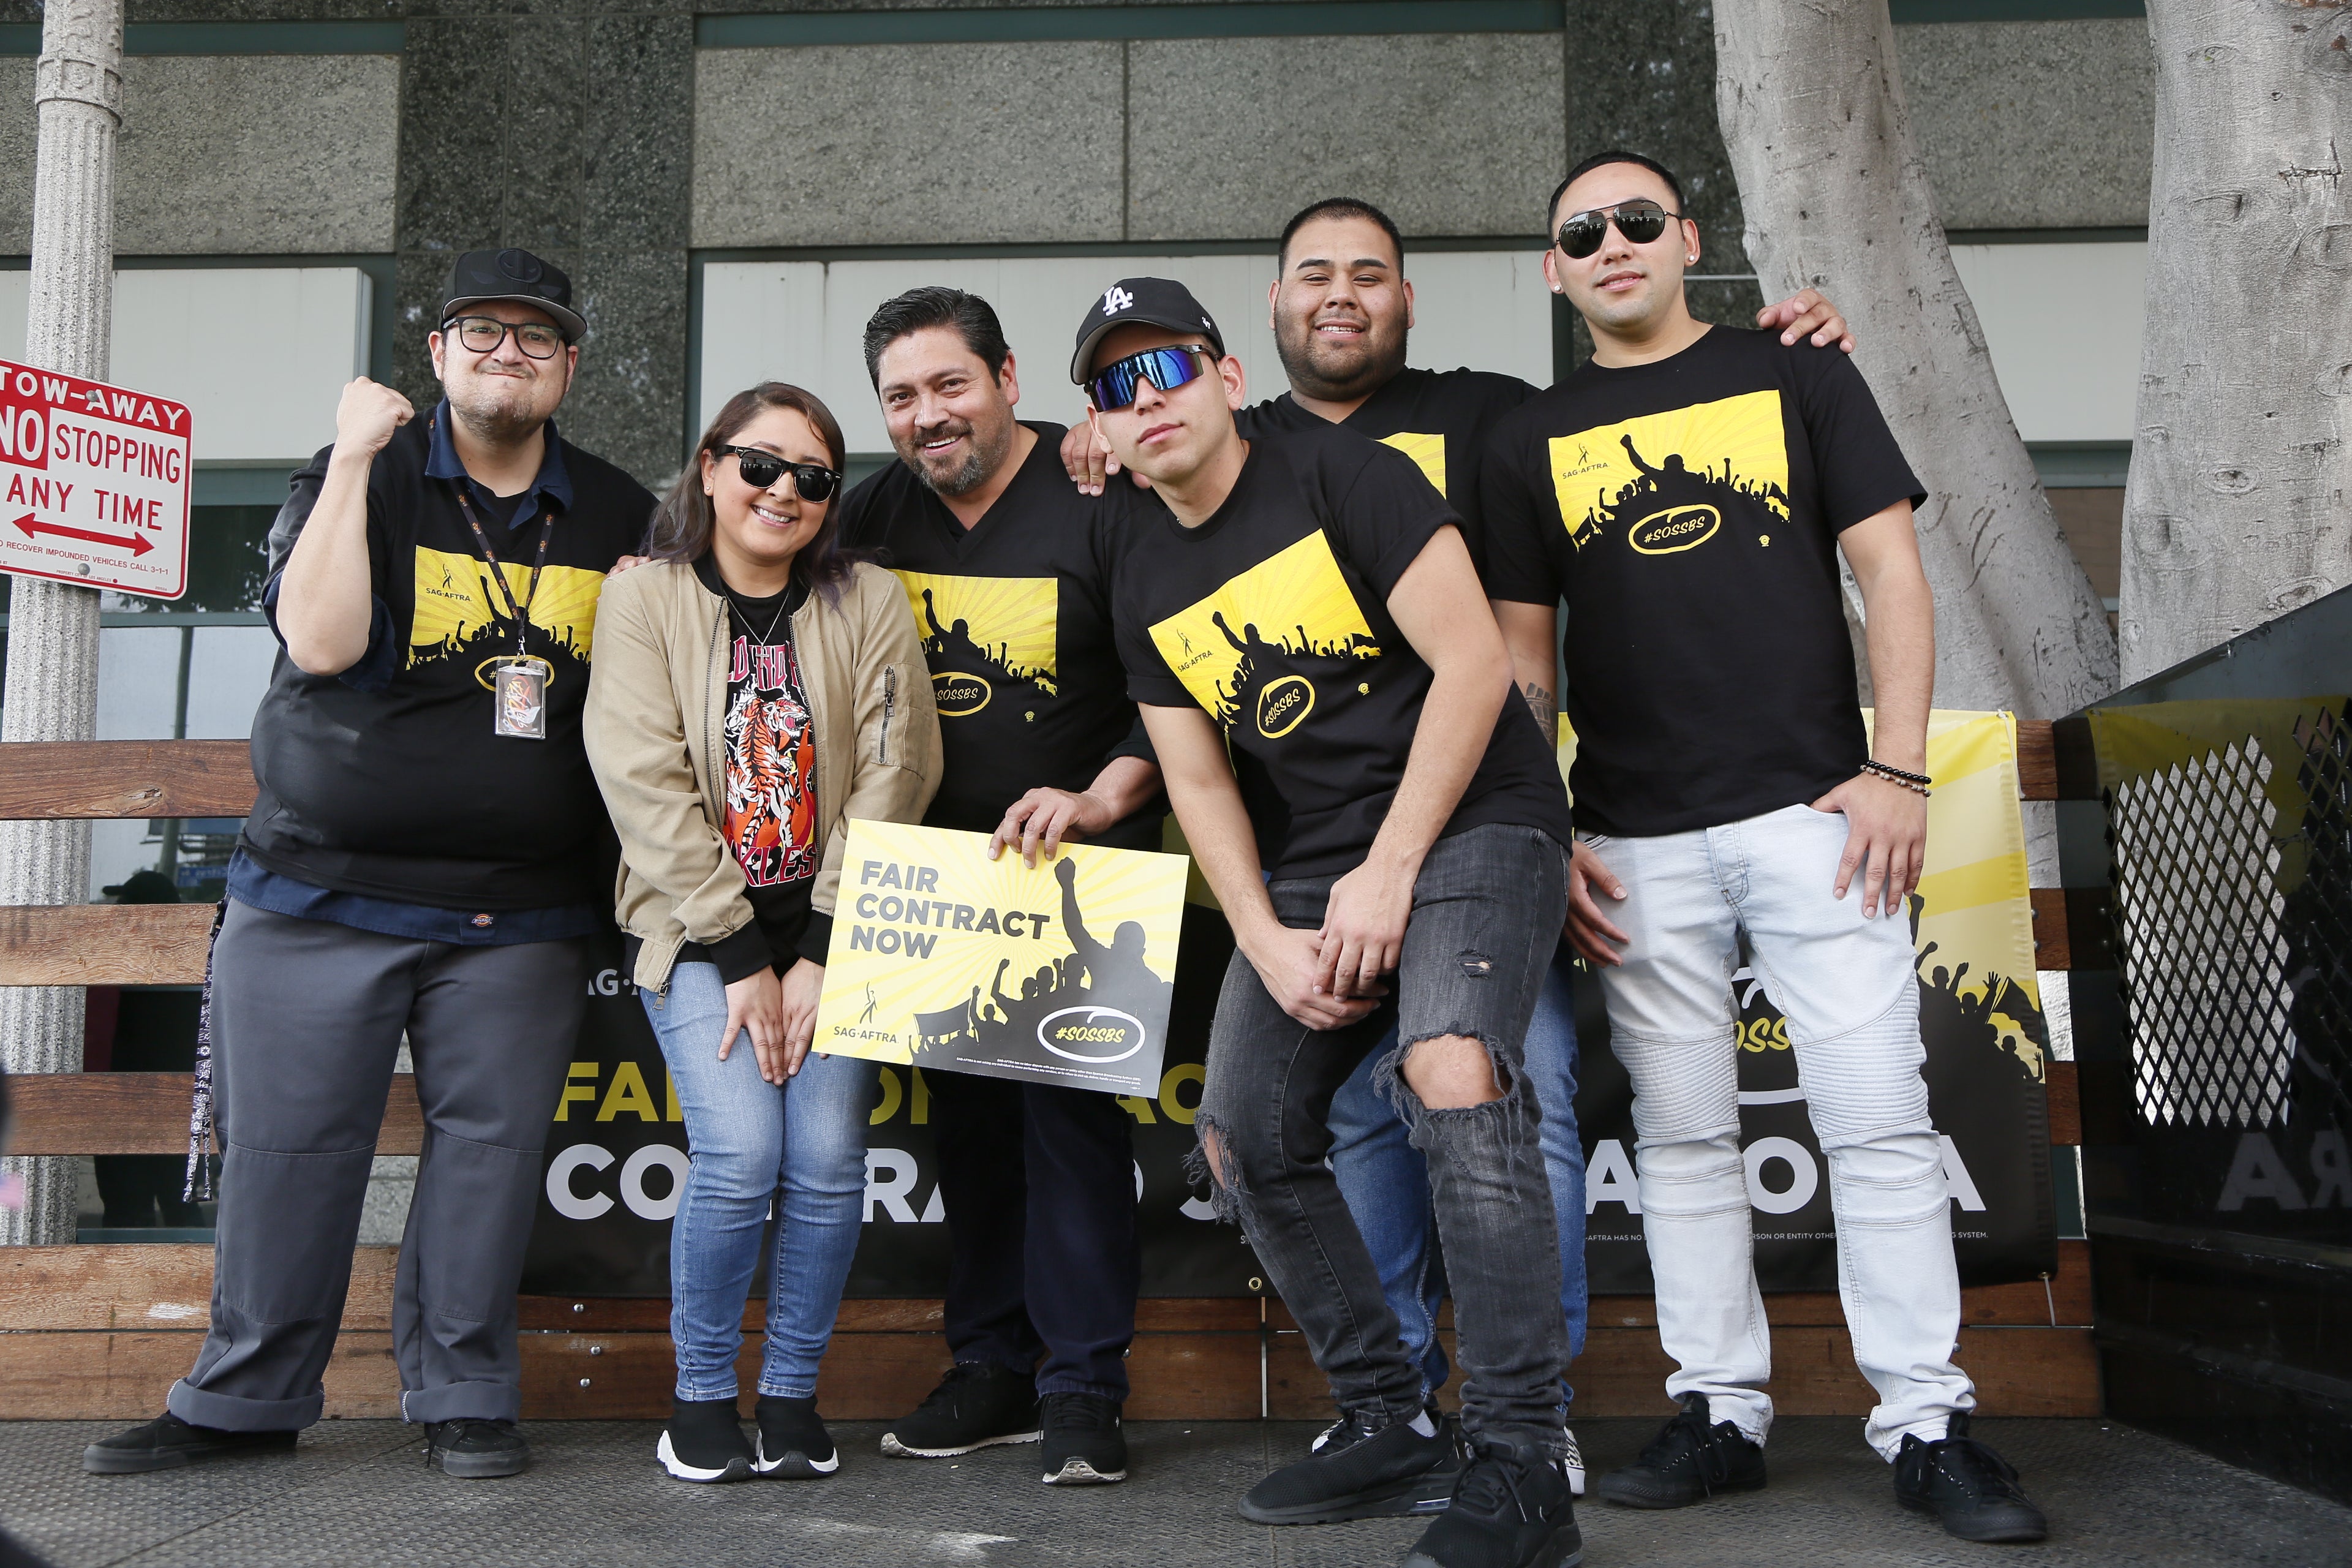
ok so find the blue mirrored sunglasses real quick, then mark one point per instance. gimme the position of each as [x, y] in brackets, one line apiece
[1113, 386]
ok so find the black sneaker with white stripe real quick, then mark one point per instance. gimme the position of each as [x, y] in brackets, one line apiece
[704, 1442]
[1085, 1443]
[792, 1445]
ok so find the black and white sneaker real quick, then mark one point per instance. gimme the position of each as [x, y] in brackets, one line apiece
[1510, 1511]
[976, 1405]
[168, 1443]
[476, 1450]
[1365, 1469]
[704, 1442]
[1085, 1443]
[1690, 1460]
[1572, 1465]
[793, 1442]
[1966, 1485]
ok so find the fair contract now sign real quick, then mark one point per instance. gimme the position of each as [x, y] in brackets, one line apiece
[94, 483]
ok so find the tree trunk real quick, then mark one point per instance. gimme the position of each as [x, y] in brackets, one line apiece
[1836, 198]
[2241, 474]
[53, 626]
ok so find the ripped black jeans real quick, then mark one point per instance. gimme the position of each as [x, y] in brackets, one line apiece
[1486, 914]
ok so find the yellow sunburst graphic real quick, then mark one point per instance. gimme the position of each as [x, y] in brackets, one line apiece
[1005, 623]
[1295, 603]
[931, 937]
[457, 603]
[1429, 451]
[1734, 445]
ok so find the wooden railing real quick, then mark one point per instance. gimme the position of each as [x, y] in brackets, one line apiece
[99, 1331]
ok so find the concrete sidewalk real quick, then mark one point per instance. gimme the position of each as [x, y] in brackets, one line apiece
[357, 1495]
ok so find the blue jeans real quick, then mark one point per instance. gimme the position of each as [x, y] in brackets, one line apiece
[1386, 1181]
[748, 1142]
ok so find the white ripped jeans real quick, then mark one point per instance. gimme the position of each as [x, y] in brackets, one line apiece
[1851, 995]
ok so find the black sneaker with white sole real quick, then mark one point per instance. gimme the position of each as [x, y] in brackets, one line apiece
[476, 1450]
[704, 1442]
[1365, 1469]
[1085, 1443]
[794, 1445]
[1510, 1511]
[168, 1443]
[1690, 1460]
[976, 1405]
[1968, 1487]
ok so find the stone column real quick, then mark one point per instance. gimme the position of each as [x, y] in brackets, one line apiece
[52, 692]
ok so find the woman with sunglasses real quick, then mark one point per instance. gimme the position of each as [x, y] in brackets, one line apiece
[754, 689]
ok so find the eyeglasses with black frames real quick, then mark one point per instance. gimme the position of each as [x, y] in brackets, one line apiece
[762, 469]
[483, 334]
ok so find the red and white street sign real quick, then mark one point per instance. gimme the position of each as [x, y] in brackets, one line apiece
[94, 483]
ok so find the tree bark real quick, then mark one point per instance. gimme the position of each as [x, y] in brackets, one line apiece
[2241, 474]
[52, 692]
[1836, 198]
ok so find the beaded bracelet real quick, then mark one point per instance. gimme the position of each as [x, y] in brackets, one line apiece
[1917, 782]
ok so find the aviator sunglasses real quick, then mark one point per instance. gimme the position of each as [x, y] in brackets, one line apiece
[761, 471]
[1640, 220]
[1113, 386]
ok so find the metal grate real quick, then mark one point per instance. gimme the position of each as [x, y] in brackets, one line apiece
[2204, 955]
[2319, 911]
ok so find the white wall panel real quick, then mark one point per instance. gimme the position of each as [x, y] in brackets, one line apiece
[2063, 323]
[804, 321]
[259, 354]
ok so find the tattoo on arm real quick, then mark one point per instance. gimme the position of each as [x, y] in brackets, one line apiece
[1546, 712]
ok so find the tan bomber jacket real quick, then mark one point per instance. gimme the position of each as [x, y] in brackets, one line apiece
[657, 702]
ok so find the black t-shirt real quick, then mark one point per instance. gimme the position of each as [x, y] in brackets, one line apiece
[1440, 419]
[1272, 617]
[1689, 511]
[1014, 614]
[387, 781]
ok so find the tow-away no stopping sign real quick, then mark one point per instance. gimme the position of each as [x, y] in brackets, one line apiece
[96, 483]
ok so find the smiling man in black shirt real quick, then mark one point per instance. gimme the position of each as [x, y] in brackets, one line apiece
[1008, 572]
[1689, 491]
[1306, 599]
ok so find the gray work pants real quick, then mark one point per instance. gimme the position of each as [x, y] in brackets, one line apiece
[306, 1022]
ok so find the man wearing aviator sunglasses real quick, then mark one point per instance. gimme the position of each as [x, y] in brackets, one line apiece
[1689, 492]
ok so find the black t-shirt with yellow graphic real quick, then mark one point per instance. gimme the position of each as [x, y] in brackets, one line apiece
[1440, 419]
[1690, 510]
[1014, 614]
[1272, 617]
[387, 780]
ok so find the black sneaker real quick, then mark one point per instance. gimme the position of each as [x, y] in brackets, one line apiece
[793, 1443]
[476, 1450]
[1431, 1493]
[1366, 1470]
[1083, 1441]
[977, 1403]
[1508, 1511]
[704, 1442]
[1688, 1461]
[167, 1443]
[1969, 1487]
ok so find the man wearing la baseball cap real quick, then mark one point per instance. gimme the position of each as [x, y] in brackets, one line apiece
[1306, 601]
[422, 860]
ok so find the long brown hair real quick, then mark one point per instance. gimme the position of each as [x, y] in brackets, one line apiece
[682, 523]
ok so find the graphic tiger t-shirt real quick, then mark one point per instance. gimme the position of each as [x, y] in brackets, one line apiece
[767, 784]
[1688, 510]
[1272, 617]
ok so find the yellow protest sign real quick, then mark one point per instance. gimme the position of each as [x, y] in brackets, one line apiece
[944, 959]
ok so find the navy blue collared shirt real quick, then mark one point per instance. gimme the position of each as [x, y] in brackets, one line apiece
[250, 884]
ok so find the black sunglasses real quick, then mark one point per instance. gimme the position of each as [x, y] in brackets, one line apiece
[1114, 385]
[761, 471]
[1640, 220]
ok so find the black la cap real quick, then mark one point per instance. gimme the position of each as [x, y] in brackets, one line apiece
[479, 277]
[1155, 301]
